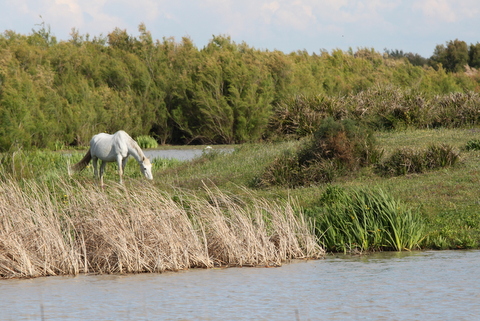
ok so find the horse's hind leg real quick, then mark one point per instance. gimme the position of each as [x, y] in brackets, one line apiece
[121, 166]
[102, 171]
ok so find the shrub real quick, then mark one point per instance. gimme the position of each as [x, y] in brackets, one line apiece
[407, 160]
[346, 141]
[401, 162]
[301, 115]
[283, 171]
[336, 147]
[438, 156]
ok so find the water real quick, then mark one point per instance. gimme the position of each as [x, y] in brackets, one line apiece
[181, 154]
[441, 285]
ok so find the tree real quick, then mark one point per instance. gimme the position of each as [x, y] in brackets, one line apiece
[456, 55]
[233, 92]
[474, 55]
[453, 57]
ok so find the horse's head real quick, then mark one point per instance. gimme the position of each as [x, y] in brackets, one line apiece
[146, 168]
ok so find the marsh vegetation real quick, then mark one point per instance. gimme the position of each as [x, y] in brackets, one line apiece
[211, 212]
[341, 151]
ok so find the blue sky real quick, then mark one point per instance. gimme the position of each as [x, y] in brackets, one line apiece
[409, 25]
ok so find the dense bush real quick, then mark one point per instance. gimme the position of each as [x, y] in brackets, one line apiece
[337, 147]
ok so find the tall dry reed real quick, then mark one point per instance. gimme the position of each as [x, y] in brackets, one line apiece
[74, 228]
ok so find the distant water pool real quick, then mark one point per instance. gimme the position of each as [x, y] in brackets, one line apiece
[181, 154]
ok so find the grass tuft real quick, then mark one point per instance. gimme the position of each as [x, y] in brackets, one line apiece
[408, 160]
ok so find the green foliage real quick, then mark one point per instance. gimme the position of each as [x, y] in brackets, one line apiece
[453, 57]
[474, 55]
[455, 229]
[39, 165]
[65, 92]
[413, 58]
[145, 141]
[473, 144]
[365, 220]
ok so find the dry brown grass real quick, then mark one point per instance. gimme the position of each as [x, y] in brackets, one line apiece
[74, 228]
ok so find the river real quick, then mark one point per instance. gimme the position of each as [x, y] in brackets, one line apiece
[430, 285]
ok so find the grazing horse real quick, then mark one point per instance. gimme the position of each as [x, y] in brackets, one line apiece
[114, 148]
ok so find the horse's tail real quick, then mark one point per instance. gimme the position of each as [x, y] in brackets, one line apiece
[83, 163]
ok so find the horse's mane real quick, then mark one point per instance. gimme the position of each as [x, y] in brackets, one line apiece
[137, 148]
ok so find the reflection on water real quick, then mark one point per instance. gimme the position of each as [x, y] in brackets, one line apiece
[430, 285]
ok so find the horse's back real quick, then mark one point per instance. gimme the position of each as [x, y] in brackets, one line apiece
[107, 147]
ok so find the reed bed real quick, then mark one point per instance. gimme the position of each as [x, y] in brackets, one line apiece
[74, 227]
[367, 220]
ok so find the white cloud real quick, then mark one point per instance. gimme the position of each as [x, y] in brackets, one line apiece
[436, 10]
[281, 24]
[449, 11]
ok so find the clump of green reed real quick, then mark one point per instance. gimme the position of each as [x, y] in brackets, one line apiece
[408, 160]
[473, 144]
[145, 141]
[365, 220]
[337, 147]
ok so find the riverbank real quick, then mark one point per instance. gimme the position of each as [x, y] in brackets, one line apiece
[447, 198]
[118, 229]
[75, 227]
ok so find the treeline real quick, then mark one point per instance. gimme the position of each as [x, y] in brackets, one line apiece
[454, 56]
[54, 93]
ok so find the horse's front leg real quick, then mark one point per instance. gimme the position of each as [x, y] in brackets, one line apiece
[95, 164]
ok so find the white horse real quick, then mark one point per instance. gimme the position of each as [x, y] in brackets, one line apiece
[114, 148]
